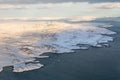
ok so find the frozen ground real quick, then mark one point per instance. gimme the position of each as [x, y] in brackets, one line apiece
[22, 42]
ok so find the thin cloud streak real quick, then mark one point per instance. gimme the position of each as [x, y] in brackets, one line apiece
[72, 19]
[30, 6]
[52, 1]
[108, 6]
[36, 6]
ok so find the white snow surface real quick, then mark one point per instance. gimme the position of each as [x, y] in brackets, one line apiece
[22, 42]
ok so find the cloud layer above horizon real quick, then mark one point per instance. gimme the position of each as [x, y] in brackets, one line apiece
[52, 1]
[58, 8]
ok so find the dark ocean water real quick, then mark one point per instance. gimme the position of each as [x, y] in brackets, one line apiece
[93, 64]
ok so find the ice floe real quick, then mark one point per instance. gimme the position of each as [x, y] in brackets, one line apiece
[21, 43]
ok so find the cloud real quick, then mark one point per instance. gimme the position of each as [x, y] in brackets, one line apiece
[108, 6]
[36, 6]
[69, 19]
[51, 1]
[23, 6]
[61, 10]
[113, 19]
[63, 19]
[84, 18]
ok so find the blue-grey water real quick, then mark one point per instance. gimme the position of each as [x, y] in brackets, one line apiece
[93, 64]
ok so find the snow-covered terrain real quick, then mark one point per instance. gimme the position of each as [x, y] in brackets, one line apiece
[22, 42]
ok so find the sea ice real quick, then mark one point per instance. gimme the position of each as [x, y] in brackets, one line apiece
[21, 43]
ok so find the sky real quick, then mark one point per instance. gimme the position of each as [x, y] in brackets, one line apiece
[59, 8]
